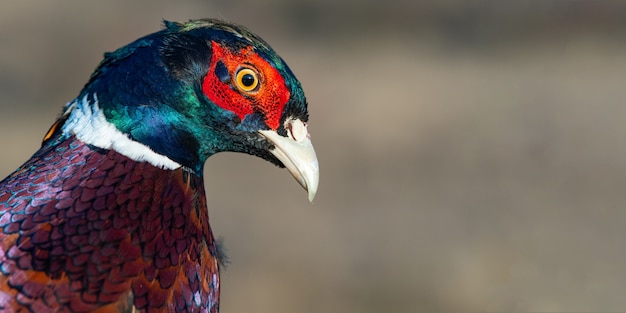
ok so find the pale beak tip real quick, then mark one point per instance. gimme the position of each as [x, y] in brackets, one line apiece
[307, 176]
[312, 190]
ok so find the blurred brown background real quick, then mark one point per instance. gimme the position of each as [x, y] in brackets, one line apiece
[473, 155]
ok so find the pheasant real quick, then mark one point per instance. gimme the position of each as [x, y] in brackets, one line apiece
[110, 214]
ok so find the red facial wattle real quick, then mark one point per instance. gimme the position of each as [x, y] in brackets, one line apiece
[269, 97]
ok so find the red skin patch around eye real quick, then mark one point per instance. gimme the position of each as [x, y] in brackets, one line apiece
[270, 97]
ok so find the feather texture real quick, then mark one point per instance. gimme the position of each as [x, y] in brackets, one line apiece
[145, 234]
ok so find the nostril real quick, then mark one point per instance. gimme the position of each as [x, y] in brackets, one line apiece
[297, 129]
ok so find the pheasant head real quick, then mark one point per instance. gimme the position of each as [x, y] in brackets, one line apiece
[192, 90]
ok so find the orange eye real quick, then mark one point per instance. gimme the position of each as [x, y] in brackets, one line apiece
[246, 80]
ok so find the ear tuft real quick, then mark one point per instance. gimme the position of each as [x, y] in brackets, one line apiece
[171, 25]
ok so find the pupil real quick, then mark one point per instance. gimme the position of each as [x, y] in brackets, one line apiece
[247, 80]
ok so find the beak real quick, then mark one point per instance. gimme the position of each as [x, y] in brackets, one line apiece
[297, 154]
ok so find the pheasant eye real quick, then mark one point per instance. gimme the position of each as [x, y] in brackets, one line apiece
[247, 80]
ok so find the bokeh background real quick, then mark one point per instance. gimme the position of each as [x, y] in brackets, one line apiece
[473, 154]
